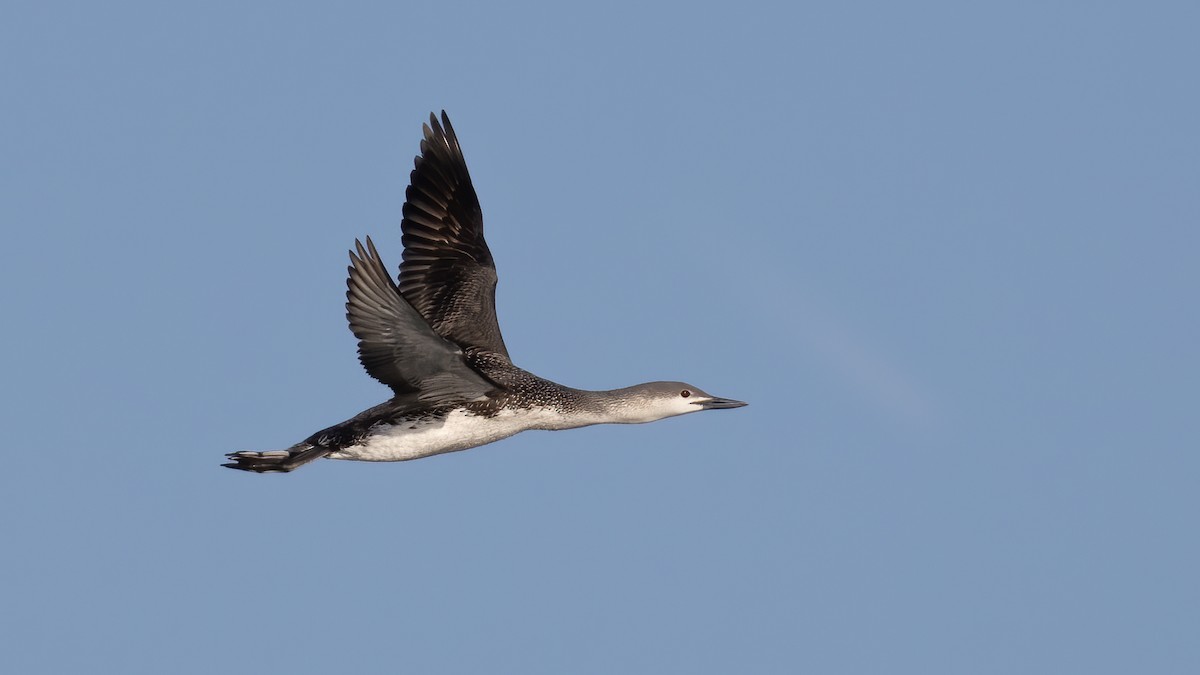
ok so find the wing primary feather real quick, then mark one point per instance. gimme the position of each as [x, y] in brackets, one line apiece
[395, 344]
[447, 273]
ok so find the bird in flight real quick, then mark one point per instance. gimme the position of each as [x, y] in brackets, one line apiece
[433, 338]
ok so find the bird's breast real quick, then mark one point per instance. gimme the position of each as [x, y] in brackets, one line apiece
[456, 430]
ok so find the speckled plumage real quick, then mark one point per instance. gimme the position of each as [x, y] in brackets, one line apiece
[434, 339]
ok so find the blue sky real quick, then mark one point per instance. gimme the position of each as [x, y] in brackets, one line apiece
[948, 253]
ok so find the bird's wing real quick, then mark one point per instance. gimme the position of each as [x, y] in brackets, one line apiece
[396, 345]
[448, 274]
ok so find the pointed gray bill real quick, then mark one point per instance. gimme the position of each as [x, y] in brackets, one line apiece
[719, 403]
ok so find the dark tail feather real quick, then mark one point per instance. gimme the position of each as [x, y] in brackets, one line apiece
[276, 461]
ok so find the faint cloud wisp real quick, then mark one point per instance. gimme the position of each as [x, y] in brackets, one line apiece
[864, 367]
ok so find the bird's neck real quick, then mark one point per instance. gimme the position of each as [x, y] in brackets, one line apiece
[609, 406]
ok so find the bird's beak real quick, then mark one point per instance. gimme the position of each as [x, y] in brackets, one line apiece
[718, 403]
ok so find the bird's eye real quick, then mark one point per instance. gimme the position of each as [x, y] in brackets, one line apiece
[685, 393]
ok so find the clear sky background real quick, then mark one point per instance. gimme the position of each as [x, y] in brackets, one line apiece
[950, 254]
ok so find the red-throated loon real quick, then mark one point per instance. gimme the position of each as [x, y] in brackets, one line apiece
[435, 341]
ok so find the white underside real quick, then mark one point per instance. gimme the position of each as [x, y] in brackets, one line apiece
[459, 431]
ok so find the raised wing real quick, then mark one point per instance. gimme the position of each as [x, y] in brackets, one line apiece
[396, 345]
[448, 274]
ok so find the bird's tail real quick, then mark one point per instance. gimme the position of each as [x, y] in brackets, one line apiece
[276, 461]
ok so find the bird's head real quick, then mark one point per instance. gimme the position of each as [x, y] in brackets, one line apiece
[657, 400]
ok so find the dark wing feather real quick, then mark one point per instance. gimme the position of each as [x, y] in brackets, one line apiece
[396, 345]
[448, 274]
